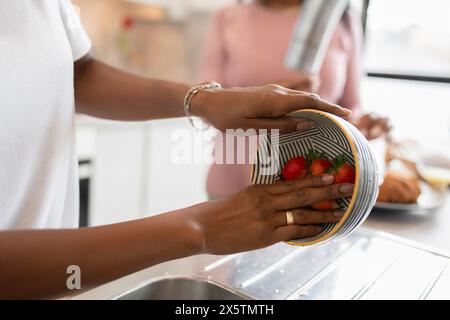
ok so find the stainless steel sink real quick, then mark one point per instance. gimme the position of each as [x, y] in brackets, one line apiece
[181, 288]
[365, 265]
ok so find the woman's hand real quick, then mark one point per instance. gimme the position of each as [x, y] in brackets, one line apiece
[259, 108]
[373, 126]
[256, 217]
[308, 83]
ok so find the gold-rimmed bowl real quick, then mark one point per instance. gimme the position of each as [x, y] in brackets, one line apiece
[334, 136]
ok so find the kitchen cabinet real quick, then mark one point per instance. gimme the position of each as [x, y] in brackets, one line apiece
[132, 172]
[115, 169]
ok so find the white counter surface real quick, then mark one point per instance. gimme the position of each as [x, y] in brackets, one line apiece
[367, 264]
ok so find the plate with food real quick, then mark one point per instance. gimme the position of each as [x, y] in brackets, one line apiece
[421, 197]
[408, 185]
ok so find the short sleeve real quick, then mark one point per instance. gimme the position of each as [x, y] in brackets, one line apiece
[77, 36]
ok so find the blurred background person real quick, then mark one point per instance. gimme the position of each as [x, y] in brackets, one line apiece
[246, 46]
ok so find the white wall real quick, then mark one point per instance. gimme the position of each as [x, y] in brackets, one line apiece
[414, 107]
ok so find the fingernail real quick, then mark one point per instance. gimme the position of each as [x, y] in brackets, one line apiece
[347, 111]
[305, 125]
[346, 188]
[338, 213]
[327, 178]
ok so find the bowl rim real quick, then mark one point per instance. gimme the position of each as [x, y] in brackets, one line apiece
[351, 205]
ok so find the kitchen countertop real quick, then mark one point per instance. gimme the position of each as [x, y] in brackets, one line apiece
[386, 264]
[367, 264]
[431, 228]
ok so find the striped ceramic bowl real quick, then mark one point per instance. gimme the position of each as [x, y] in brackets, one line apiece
[333, 136]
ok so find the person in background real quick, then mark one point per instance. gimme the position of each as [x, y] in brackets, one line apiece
[246, 46]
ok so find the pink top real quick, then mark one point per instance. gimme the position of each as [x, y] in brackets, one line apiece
[246, 46]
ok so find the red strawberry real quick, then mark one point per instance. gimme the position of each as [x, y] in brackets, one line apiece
[319, 166]
[295, 168]
[342, 171]
[325, 205]
[319, 163]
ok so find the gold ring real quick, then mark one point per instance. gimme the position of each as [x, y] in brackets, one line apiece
[289, 218]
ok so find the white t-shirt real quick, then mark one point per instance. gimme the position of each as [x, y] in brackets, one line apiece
[39, 41]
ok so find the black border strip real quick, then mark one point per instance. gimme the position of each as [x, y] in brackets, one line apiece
[408, 77]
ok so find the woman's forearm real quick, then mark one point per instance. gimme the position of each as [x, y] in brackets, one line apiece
[33, 262]
[106, 92]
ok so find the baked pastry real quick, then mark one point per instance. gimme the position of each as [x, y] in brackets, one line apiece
[399, 187]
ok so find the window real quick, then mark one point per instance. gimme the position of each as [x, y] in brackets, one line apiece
[409, 38]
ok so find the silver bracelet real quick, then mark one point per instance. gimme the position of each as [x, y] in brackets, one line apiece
[191, 93]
